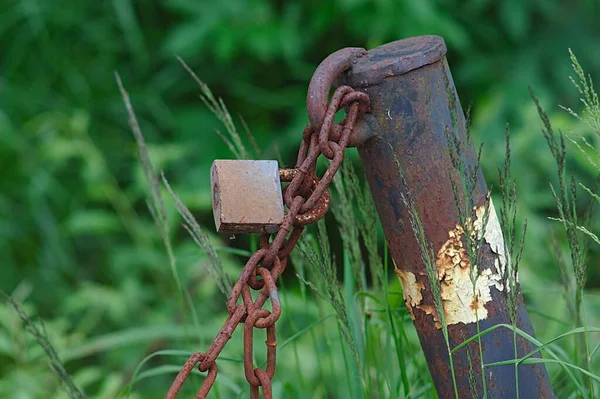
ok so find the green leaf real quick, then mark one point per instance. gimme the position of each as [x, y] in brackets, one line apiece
[534, 341]
[119, 339]
[580, 228]
[93, 221]
[535, 360]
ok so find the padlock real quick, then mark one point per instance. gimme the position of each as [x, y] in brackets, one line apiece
[246, 196]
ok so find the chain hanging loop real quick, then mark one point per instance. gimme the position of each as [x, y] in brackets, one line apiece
[307, 199]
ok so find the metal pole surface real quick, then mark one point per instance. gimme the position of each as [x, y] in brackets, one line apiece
[413, 103]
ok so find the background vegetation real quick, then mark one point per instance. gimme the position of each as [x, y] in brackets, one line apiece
[78, 245]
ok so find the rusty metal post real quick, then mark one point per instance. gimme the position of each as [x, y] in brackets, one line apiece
[413, 102]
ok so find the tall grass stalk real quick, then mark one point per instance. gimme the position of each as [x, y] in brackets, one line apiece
[156, 203]
[428, 259]
[566, 202]
[466, 204]
[41, 337]
[320, 260]
[214, 266]
[348, 185]
[345, 184]
[299, 263]
[390, 318]
[508, 216]
[590, 116]
[232, 138]
[293, 327]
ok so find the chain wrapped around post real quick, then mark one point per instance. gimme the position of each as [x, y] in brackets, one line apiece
[306, 198]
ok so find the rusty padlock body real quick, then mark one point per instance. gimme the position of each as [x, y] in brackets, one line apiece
[246, 196]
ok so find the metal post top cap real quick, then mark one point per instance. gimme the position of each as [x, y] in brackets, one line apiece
[395, 58]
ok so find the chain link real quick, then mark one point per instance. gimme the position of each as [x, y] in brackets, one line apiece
[307, 200]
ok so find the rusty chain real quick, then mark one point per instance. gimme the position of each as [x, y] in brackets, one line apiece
[307, 200]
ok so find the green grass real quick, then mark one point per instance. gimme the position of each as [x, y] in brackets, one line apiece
[371, 330]
[372, 337]
[345, 331]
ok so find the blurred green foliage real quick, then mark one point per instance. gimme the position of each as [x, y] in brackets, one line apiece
[76, 240]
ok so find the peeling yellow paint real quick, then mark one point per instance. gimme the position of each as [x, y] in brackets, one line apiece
[411, 289]
[494, 238]
[461, 303]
